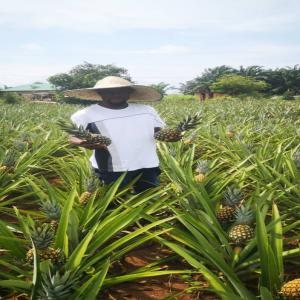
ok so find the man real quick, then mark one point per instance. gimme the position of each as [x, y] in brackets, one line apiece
[130, 126]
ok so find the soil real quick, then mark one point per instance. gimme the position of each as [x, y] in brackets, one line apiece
[155, 287]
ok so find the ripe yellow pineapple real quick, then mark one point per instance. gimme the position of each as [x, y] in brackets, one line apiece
[241, 232]
[291, 290]
[175, 134]
[42, 237]
[91, 185]
[202, 169]
[230, 132]
[232, 199]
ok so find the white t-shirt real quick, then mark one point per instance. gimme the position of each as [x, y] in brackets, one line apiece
[131, 131]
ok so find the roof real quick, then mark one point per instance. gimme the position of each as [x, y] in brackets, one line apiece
[34, 87]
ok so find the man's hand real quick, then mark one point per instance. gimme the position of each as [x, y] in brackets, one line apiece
[82, 143]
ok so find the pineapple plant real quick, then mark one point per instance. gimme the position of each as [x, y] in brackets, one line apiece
[91, 185]
[291, 290]
[176, 134]
[9, 162]
[232, 199]
[296, 158]
[191, 139]
[52, 211]
[80, 133]
[241, 232]
[230, 131]
[199, 151]
[56, 286]
[202, 169]
[42, 237]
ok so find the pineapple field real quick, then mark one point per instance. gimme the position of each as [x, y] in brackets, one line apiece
[224, 222]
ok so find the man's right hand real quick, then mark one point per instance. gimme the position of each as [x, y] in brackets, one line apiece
[82, 143]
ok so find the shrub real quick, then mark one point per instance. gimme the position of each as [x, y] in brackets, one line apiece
[238, 85]
[11, 97]
[288, 95]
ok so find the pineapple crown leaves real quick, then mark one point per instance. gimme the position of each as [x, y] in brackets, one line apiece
[56, 286]
[51, 209]
[41, 235]
[190, 122]
[232, 196]
[230, 128]
[92, 183]
[203, 166]
[72, 128]
[83, 134]
[244, 215]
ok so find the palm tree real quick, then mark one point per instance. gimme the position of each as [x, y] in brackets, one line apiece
[209, 76]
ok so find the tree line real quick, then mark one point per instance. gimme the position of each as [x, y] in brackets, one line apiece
[224, 79]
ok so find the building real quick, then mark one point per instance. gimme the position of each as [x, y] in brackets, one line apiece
[36, 91]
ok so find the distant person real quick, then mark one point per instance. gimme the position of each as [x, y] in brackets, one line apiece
[130, 126]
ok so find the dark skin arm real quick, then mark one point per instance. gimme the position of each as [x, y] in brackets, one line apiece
[81, 143]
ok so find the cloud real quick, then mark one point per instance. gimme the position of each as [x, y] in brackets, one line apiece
[108, 16]
[31, 46]
[167, 49]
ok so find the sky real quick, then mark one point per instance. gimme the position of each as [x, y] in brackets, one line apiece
[168, 41]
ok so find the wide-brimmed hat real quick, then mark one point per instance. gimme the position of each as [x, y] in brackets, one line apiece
[140, 92]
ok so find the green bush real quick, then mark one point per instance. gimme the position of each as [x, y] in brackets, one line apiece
[288, 96]
[11, 97]
[238, 85]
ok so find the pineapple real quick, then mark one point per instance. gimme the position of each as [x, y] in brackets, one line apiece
[42, 237]
[52, 211]
[191, 139]
[91, 187]
[199, 151]
[230, 132]
[56, 286]
[202, 168]
[291, 289]
[241, 232]
[296, 158]
[175, 134]
[232, 198]
[81, 133]
[9, 162]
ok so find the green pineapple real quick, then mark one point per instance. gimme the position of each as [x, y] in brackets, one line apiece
[242, 232]
[232, 199]
[56, 286]
[175, 134]
[9, 161]
[52, 211]
[81, 133]
[42, 237]
[202, 169]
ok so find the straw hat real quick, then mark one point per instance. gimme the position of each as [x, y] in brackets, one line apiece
[141, 92]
